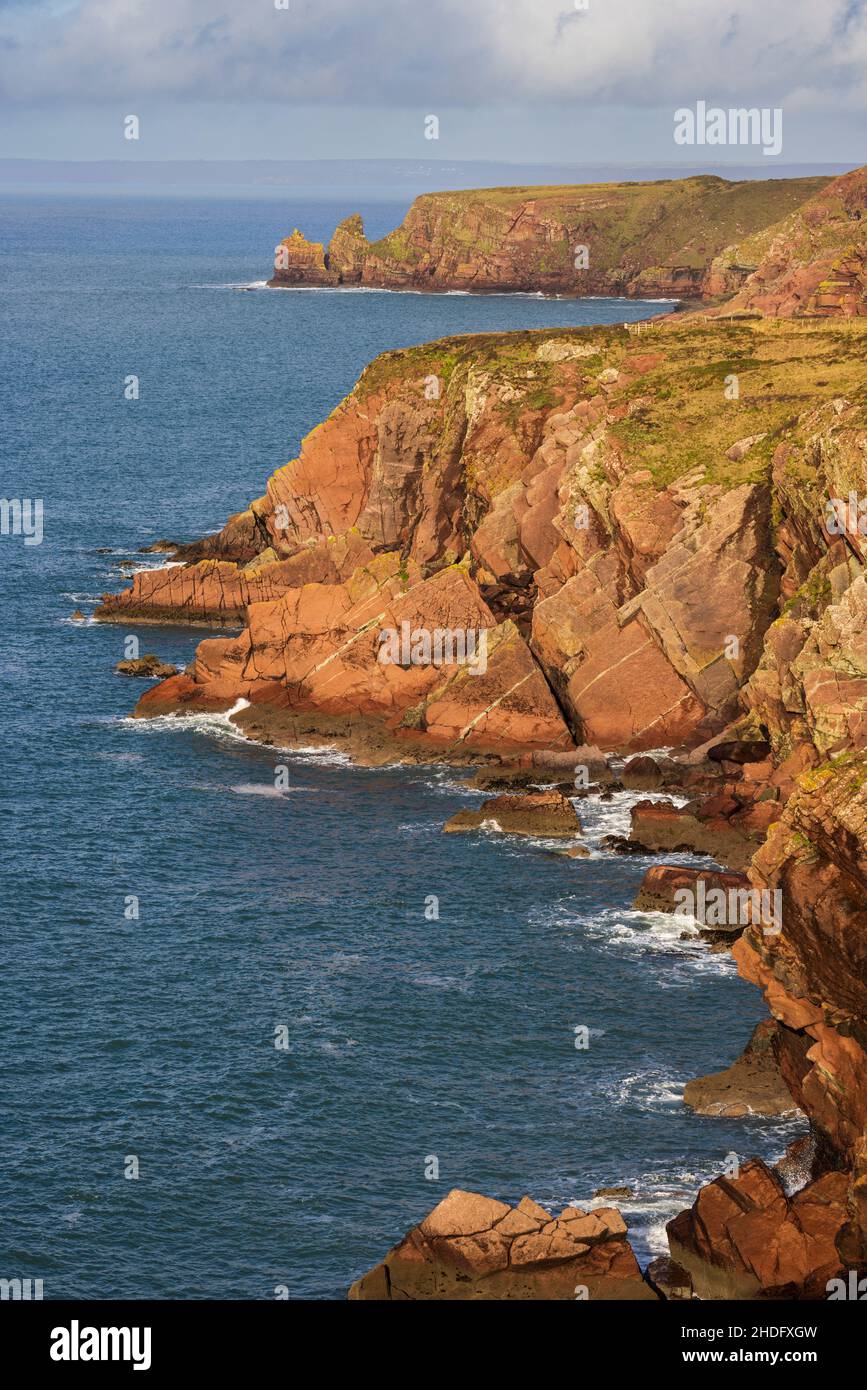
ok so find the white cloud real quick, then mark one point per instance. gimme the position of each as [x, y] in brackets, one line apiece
[437, 53]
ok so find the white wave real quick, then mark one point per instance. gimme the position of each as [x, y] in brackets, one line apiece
[217, 725]
[600, 818]
[654, 933]
[325, 756]
[654, 1089]
[443, 982]
[234, 285]
[146, 568]
[443, 781]
[264, 789]
[424, 827]
[449, 294]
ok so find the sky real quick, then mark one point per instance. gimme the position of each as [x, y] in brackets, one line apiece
[571, 81]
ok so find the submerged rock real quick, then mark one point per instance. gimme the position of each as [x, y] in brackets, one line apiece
[544, 814]
[148, 666]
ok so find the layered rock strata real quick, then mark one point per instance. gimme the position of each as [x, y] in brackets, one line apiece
[568, 502]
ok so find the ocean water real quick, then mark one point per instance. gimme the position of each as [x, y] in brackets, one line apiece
[147, 1044]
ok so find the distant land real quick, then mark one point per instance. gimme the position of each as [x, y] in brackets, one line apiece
[698, 238]
[374, 178]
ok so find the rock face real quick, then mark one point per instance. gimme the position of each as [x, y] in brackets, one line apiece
[655, 238]
[319, 649]
[814, 262]
[539, 489]
[744, 1238]
[814, 972]
[547, 814]
[472, 1247]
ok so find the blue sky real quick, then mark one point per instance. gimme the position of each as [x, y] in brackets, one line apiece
[507, 79]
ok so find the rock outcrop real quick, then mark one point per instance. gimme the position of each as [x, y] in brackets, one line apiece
[746, 1239]
[813, 262]
[753, 1085]
[659, 238]
[148, 666]
[472, 1247]
[538, 494]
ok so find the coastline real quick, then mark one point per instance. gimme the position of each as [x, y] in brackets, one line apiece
[644, 548]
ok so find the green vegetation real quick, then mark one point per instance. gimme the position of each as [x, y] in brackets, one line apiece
[679, 418]
[680, 223]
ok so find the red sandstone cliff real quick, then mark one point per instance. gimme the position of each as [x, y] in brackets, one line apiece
[813, 262]
[637, 239]
[543, 488]
[652, 557]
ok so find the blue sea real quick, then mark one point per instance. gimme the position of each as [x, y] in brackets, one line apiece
[155, 1141]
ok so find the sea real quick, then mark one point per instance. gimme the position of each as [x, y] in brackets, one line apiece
[241, 1054]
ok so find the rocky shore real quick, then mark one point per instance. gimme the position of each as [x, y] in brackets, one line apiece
[642, 534]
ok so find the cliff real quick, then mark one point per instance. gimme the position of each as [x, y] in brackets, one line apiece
[592, 499]
[813, 262]
[641, 239]
[637, 528]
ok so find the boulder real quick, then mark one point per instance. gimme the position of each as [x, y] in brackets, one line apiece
[659, 826]
[662, 883]
[744, 1238]
[642, 774]
[472, 1247]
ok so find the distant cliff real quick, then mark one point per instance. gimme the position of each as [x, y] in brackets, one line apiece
[638, 239]
[812, 263]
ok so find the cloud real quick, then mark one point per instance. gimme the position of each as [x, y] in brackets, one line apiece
[436, 53]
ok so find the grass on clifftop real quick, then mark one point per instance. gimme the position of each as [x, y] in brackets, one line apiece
[683, 222]
[680, 418]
